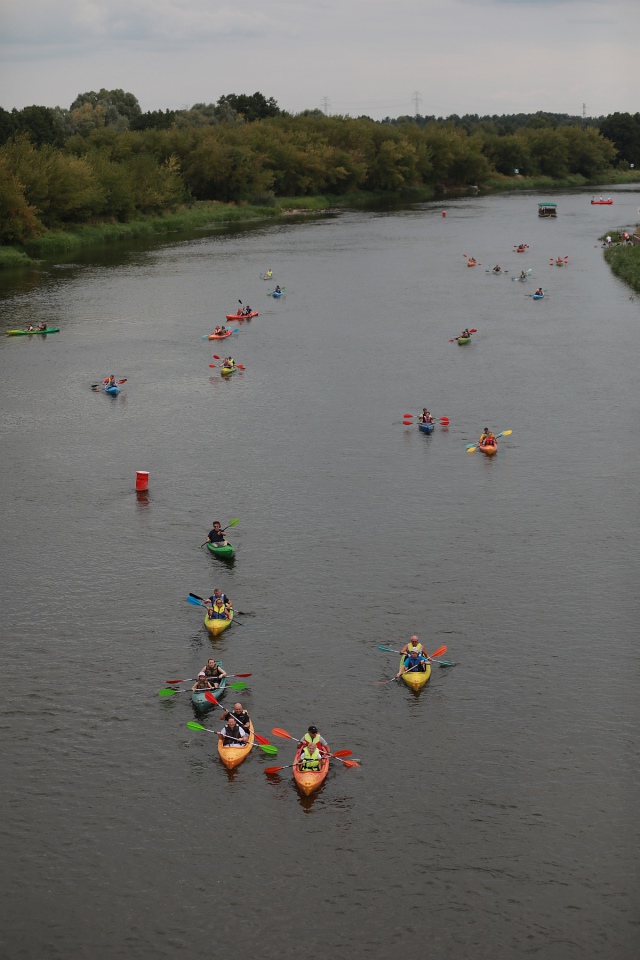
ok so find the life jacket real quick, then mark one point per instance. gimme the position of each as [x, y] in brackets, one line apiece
[213, 673]
[202, 684]
[231, 737]
[310, 760]
[419, 664]
[308, 739]
[219, 613]
[417, 647]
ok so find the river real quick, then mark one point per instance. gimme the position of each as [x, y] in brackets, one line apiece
[495, 815]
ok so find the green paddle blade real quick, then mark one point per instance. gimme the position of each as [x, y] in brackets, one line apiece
[166, 692]
[270, 750]
[237, 686]
[232, 523]
[387, 649]
[195, 726]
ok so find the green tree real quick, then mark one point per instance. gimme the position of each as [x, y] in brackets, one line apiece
[254, 107]
[18, 218]
[623, 129]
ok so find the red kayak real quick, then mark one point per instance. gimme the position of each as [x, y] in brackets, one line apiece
[242, 316]
[601, 203]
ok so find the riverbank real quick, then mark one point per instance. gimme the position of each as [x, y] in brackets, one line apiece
[203, 214]
[624, 261]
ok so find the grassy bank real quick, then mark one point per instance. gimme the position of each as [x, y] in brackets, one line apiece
[625, 263]
[500, 182]
[10, 257]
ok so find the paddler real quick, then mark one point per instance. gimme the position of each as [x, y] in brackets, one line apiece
[202, 683]
[497, 269]
[217, 595]
[425, 416]
[413, 644]
[247, 311]
[219, 611]
[277, 289]
[414, 663]
[42, 326]
[213, 672]
[522, 276]
[216, 534]
[239, 714]
[232, 734]
[311, 757]
[539, 292]
[466, 333]
[228, 362]
[313, 737]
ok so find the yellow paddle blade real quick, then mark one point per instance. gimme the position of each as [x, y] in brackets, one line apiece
[472, 449]
[506, 433]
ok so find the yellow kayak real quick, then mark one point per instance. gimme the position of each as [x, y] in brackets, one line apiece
[217, 626]
[415, 679]
[233, 756]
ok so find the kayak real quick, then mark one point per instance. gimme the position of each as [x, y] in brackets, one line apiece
[276, 294]
[426, 427]
[463, 340]
[226, 551]
[538, 296]
[601, 203]
[488, 448]
[198, 696]
[415, 679]
[220, 336]
[113, 390]
[471, 263]
[233, 756]
[217, 626]
[227, 371]
[309, 780]
[29, 333]
[241, 316]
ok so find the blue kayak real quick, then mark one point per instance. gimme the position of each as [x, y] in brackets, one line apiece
[426, 427]
[538, 296]
[276, 294]
[113, 390]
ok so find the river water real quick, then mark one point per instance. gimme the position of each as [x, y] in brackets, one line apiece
[493, 816]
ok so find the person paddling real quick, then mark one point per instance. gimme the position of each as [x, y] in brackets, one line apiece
[202, 683]
[247, 311]
[216, 534]
[311, 757]
[277, 289]
[497, 268]
[214, 673]
[539, 292]
[217, 595]
[413, 644]
[313, 737]
[219, 611]
[232, 734]
[415, 662]
[239, 714]
[465, 335]
[425, 416]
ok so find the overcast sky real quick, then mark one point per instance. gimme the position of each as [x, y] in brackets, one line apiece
[345, 56]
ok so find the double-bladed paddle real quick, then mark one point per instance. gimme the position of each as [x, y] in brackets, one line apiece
[339, 754]
[443, 663]
[262, 742]
[436, 653]
[193, 679]
[472, 330]
[472, 447]
[169, 692]
[100, 386]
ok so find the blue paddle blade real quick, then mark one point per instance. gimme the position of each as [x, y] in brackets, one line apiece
[195, 602]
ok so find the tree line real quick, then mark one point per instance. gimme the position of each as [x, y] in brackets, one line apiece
[104, 159]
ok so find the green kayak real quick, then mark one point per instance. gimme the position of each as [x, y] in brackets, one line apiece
[463, 340]
[30, 333]
[225, 552]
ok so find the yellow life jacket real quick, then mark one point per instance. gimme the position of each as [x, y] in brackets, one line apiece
[417, 647]
[311, 759]
[308, 739]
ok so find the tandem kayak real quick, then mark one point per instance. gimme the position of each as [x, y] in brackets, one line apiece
[601, 203]
[463, 340]
[426, 427]
[489, 449]
[415, 679]
[241, 316]
[233, 756]
[199, 699]
[216, 626]
[220, 336]
[227, 371]
[225, 551]
[309, 780]
[30, 333]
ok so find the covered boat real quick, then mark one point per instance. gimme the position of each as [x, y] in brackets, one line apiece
[220, 336]
[547, 210]
[489, 449]
[463, 340]
[426, 427]
[241, 316]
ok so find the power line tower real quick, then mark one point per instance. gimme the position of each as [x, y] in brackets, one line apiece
[417, 97]
[326, 105]
[584, 111]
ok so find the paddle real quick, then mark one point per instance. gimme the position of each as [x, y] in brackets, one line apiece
[203, 602]
[262, 742]
[443, 420]
[193, 679]
[231, 523]
[347, 763]
[339, 754]
[168, 692]
[472, 447]
[100, 386]
[443, 663]
[238, 365]
[472, 330]
[436, 653]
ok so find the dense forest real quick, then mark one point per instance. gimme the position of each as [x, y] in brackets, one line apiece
[104, 159]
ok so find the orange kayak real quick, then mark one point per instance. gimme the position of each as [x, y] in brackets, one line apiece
[241, 316]
[309, 780]
[471, 263]
[220, 336]
[233, 756]
[488, 448]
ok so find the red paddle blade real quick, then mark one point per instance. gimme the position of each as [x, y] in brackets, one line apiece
[240, 366]
[210, 697]
[212, 364]
[262, 741]
[215, 356]
[351, 763]
[407, 416]
[273, 769]
[438, 652]
[343, 753]
[174, 681]
[473, 330]
[407, 423]
[279, 732]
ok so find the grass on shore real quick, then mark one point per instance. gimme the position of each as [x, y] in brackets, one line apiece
[625, 263]
[10, 257]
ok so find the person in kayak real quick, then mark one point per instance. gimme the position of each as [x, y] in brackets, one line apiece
[218, 595]
[202, 683]
[110, 381]
[216, 534]
[539, 292]
[213, 673]
[497, 269]
[313, 737]
[269, 274]
[311, 757]
[247, 311]
[413, 663]
[228, 362]
[42, 326]
[522, 276]
[219, 611]
[277, 289]
[466, 333]
[232, 734]
[239, 714]
[487, 438]
[425, 416]
[413, 644]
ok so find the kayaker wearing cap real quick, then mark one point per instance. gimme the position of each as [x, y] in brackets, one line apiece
[239, 714]
[232, 734]
[214, 672]
[216, 534]
[414, 663]
[413, 644]
[202, 683]
[312, 736]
